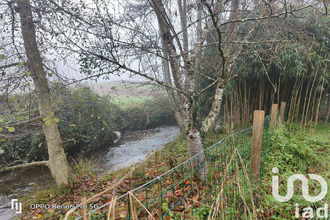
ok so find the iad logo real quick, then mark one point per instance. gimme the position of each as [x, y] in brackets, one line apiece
[304, 181]
[308, 211]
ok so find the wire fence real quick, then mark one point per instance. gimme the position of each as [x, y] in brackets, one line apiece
[223, 192]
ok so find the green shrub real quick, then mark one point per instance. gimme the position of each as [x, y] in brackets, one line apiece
[86, 121]
[150, 114]
[293, 150]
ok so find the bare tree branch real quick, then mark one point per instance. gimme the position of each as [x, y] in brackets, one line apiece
[11, 65]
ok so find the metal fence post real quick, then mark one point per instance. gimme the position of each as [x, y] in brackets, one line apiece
[257, 132]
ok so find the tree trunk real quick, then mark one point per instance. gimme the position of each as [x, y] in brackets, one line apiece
[237, 113]
[328, 109]
[298, 90]
[309, 99]
[265, 100]
[231, 112]
[57, 158]
[246, 117]
[196, 150]
[313, 106]
[183, 18]
[226, 111]
[304, 105]
[25, 165]
[299, 99]
[186, 118]
[318, 107]
[292, 99]
[278, 90]
[210, 121]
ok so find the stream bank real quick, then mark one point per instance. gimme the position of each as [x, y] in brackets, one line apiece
[132, 147]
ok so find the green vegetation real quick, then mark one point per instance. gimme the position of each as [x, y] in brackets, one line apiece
[125, 101]
[267, 53]
[149, 114]
[84, 182]
[85, 119]
[127, 94]
[84, 123]
[291, 152]
[295, 152]
[294, 72]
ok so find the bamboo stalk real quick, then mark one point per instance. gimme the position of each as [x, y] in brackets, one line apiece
[318, 106]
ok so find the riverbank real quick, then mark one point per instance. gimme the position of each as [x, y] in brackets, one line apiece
[105, 159]
[86, 184]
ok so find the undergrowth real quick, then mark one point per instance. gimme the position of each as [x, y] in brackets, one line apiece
[294, 152]
[85, 183]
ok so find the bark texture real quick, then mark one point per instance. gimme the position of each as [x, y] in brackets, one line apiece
[57, 158]
[194, 141]
[183, 103]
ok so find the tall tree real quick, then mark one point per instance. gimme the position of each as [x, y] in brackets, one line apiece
[57, 158]
[150, 39]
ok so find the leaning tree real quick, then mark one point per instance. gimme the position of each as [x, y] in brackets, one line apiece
[22, 63]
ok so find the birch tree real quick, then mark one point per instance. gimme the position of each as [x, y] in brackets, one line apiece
[163, 41]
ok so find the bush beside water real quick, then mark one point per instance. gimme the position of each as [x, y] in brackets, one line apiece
[86, 122]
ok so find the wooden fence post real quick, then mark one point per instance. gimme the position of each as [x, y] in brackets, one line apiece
[282, 109]
[258, 126]
[84, 209]
[273, 114]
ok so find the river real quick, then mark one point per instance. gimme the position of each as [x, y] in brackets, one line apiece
[133, 146]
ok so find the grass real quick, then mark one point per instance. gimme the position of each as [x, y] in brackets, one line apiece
[322, 131]
[129, 95]
[294, 152]
[124, 101]
[142, 86]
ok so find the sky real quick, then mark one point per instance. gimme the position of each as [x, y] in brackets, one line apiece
[69, 67]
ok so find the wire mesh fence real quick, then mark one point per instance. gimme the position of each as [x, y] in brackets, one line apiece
[218, 188]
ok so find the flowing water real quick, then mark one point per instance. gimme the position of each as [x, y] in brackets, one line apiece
[134, 146]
